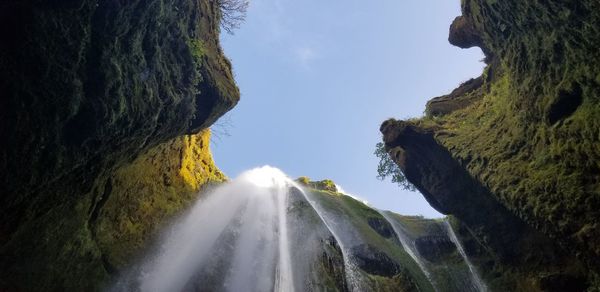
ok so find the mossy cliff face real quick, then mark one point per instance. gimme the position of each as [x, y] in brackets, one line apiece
[379, 244]
[87, 88]
[515, 155]
[146, 193]
[82, 244]
[380, 260]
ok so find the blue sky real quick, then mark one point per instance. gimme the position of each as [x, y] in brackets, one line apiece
[317, 78]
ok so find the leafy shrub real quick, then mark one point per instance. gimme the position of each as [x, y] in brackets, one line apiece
[388, 168]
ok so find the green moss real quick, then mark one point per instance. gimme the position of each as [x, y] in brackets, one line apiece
[304, 180]
[357, 214]
[197, 49]
[539, 159]
[323, 185]
[148, 192]
[107, 82]
[79, 246]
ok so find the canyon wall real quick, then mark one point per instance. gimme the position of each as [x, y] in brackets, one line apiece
[103, 109]
[514, 155]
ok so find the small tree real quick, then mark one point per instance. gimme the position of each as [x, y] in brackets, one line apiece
[233, 13]
[388, 168]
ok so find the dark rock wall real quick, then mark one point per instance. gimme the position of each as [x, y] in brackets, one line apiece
[516, 159]
[503, 242]
[85, 88]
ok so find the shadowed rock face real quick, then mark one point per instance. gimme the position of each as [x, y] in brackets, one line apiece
[87, 87]
[381, 226]
[375, 262]
[90, 84]
[509, 153]
[463, 33]
[459, 98]
[435, 248]
[504, 241]
[451, 190]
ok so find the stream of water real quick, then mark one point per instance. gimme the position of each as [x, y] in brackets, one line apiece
[409, 247]
[238, 236]
[263, 232]
[476, 279]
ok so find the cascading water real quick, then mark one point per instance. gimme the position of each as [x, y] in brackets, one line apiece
[409, 246]
[476, 279]
[237, 238]
[245, 219]
[264, 232]
[352, 275]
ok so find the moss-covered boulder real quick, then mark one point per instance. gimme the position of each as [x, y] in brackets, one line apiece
[323, 185]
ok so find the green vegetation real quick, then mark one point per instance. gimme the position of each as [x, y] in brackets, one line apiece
[357, 214]
[532, 136]
[323, 185]
[151, 190]
[388, 168]
[443, 260]
[197, 48]
[109, 82]
[78, 246]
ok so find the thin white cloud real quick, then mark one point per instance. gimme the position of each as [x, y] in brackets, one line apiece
[277, 32]
[305, 55]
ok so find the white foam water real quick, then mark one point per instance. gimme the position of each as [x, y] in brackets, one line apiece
[409, 247]
[241, 225]
[257, 202]
[475, 278]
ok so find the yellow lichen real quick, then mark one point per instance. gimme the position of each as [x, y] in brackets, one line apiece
[197, 165]
[146, 193]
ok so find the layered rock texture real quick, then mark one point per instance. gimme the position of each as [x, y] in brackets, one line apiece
[514, 155]
[102, 104]
[383, 251]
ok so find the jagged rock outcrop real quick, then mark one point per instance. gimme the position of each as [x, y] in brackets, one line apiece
[463, 33]
[459, 98]
[510, 244]
[87, 88]
[515, 159]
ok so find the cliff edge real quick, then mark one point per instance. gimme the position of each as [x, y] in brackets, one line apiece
[103, 108]
[514, 154]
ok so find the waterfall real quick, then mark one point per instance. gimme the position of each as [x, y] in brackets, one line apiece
[409, 246]
[352, 275]
[476, 279]
[263, 232]
[285, 278]
[237, 238]
[250, 209]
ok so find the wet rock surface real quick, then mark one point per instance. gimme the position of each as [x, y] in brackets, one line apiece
[374, 261]
[381, 226]
[435, 248]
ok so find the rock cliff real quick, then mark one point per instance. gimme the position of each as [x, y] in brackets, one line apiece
[391, 252]
[514, 154]
[102, 108]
